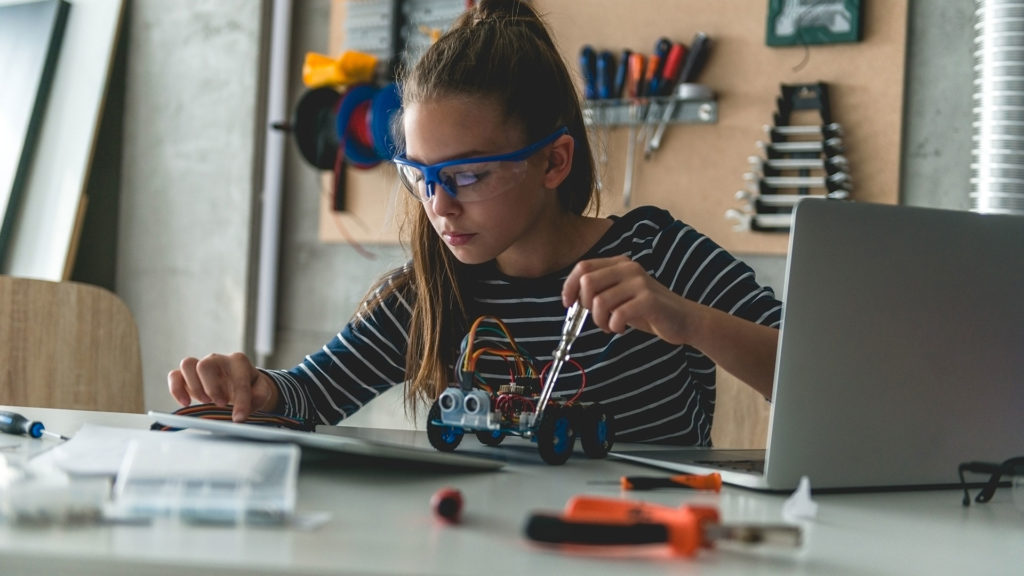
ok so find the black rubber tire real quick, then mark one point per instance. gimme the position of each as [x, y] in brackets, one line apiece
[443, 438]
[555, 435]
[597, 431]
[490, 437]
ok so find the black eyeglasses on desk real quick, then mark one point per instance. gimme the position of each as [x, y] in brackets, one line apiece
[1010, 468]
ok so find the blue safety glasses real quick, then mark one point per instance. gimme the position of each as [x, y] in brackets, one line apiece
[470, 179]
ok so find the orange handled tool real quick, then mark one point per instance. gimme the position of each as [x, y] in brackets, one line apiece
[650, 81]
[712, 481]
[593, 520]
[635, 75]
[634, 90]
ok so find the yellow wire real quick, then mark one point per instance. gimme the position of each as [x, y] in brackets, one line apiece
[466, 365]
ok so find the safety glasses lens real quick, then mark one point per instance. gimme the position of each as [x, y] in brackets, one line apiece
[469, 182]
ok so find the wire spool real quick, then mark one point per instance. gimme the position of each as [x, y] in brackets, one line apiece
[313, 127]
[386, 104]
[364, 124]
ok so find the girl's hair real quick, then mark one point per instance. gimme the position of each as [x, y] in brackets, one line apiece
[500, 50]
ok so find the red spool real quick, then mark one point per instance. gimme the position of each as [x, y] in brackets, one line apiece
[359, 125]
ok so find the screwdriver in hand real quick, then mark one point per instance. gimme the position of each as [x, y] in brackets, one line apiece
[14, 423]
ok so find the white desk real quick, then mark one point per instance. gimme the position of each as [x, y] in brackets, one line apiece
[381, 523]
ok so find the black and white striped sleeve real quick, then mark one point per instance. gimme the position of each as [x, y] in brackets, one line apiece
[694, 266]
[363, 360]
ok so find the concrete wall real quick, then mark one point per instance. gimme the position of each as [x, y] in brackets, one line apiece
[189, 179]
[192, 94]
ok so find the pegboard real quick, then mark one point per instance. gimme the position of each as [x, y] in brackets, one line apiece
[700, 167]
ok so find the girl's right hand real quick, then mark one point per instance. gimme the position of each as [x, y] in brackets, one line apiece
[223, 380]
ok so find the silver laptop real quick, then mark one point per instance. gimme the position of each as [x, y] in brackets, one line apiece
[901, 353]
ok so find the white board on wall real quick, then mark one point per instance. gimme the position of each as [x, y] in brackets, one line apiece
[43, 237]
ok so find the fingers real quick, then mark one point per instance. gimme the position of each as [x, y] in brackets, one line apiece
[606, 287]
[241, 381]
[587, 272]
[177, 387]
[228, 380]
[612, 308]
[220, 380]
[193, 383]
[621, 294]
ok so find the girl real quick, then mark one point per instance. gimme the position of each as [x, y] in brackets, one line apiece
[496, 154]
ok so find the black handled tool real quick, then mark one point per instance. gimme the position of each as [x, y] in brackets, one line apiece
[621, 73]
[712, 482]
[695, 58]
[597, 521]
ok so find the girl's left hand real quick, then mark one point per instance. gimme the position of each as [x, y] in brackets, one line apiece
[620, 293]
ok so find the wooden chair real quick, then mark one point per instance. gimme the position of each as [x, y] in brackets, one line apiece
[67, 345]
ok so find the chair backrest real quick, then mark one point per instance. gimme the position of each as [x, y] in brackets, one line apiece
[67, 345]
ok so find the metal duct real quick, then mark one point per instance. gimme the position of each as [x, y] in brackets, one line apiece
[997, 167]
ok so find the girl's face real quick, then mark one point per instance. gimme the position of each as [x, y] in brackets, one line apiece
[508, 226]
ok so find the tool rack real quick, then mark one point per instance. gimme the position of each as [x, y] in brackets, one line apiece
[800, 160]
[687, 110]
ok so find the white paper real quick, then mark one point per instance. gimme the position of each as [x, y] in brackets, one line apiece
[99, 450]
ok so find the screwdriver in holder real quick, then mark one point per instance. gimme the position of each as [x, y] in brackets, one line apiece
[596, 521]
[589, 70]
[634, 90]
[14, 423]
[693, 60]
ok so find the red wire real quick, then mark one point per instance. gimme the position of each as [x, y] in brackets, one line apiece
[583, 378]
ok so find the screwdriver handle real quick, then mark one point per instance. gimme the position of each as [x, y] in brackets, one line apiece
[698, 55]
[650, 85]
[605, 74]
[14, 423]
[655, 74]
[712, 482]
[557, 530]
[620, 74]
[588, 66]
[635, 75]
[672, 68]
[629, 522]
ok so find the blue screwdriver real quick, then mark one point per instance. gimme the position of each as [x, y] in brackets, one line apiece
[14, 423]
[588, 67]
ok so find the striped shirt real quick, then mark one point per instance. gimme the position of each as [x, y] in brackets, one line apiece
[658, 392]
